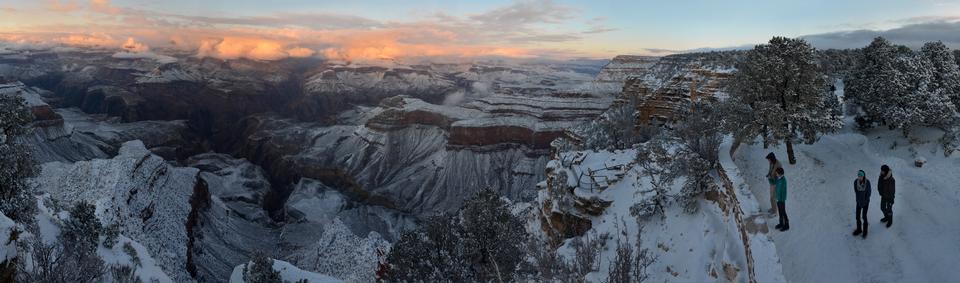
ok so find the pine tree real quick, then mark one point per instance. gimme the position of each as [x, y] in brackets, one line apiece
[260, 270]
[482, 243]
[922, 102]
[897, 87]
[81, 234]
[493, 236]
[781, 87]
[433, 253]
[16, 164]
[874, 80]
[946, 73]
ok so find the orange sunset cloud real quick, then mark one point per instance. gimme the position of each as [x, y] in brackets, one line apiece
[513, 31]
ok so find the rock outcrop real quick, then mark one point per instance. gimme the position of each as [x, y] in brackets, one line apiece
[675, 81]
[622, 67]
[140, 192]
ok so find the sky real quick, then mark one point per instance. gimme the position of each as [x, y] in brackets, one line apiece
[374, 29]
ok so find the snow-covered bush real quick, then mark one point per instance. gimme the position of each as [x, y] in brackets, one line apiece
[698, 153]
[132, 253]
[630, 263]
[58, 262]
[16, 164]
[689, 153]
[544, 263]
[111, 234]
[951, 140]
[124, 274]
[586, 253]
[655, 162]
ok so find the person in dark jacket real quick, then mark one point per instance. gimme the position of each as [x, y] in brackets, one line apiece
[771, 179]
[887, 187]
[861, 188]
[781, 191]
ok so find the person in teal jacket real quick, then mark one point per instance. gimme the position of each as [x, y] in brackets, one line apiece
[781, 191]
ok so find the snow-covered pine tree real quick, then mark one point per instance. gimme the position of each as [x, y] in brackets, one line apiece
[956, 56]
[432, 253]
[81, 234]
[483, 243]
[16, 164]
[903, 89]
[494, 237]
[260, 270]
[921, 102]
[781, 86]
[873, 81]
[946, 73]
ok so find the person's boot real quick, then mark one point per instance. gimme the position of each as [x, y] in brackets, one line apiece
[889, 221]
[865, 230]
[778, 226]
[884, 219]
[857, 232]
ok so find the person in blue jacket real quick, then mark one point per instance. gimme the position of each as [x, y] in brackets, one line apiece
[861, 188]
[781, 192]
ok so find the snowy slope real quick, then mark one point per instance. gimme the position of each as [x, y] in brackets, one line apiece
[8, 249]
[49, 222]
[147, 197]
[923, 245]
[703, 246]
[234, 226]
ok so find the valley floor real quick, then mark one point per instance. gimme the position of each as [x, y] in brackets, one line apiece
[923, 244]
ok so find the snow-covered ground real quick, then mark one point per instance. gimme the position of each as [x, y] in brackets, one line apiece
[923, 245]
[702, 246]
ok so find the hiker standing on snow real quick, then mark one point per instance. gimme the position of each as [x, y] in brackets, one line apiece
[861, 188]
[887, 187]
[771, 178]
[781, 192]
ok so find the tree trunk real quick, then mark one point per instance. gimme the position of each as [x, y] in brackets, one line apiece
[790, 155]
[496, 267]
[765, 143]
[734, 147]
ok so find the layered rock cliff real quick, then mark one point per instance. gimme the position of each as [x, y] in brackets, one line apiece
[412, 156]
[674, 81]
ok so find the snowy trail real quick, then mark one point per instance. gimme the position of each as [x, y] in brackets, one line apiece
[923, 245]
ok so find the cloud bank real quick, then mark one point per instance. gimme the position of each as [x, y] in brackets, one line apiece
[518, 29]
[914, 34]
